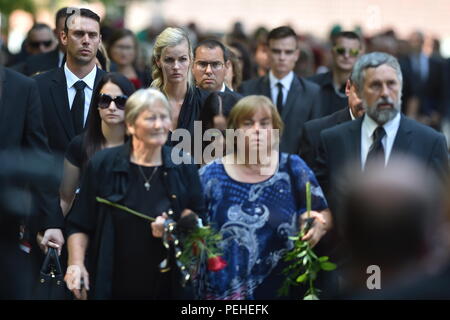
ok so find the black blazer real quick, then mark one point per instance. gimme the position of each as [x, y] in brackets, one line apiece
[302, 104]
[41, 62]
[309, 145]
[330, 101]
[21, 128]
[56, 111]
[107, 176]
[341, 145]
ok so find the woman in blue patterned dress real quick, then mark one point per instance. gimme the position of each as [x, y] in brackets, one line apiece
[256, 198]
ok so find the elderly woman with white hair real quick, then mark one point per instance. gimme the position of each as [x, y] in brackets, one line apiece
[122, 252]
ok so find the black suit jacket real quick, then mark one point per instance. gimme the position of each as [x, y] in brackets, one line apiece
[302, 104]
[330, 101]
[309, 145]
[341, 146]
[431, 92]
[39, 63]
[56, 111]
[21, 129]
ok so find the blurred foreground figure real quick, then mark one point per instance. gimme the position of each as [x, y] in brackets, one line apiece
[392, 227]
[20, 180]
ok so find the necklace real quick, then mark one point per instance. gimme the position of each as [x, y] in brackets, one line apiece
[147, 184]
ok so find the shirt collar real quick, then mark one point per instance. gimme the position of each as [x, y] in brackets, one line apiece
[391, 127]
[351, 114]
[286, 81]
[223, 87]
[71, 78]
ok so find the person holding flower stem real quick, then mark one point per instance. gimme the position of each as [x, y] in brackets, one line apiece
[116, 254]
[257, 205]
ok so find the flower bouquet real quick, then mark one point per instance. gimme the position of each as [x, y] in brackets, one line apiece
[305, 264]
[193, 244]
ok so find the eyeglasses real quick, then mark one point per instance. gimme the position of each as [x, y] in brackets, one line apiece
[342, 51]
[37, 44]
[105, 100]
[215, 65]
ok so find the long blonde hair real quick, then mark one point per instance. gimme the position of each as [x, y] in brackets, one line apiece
[170, 37]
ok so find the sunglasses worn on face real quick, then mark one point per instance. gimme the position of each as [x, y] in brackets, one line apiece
[341, 51]
[37, 44]
[105, 100]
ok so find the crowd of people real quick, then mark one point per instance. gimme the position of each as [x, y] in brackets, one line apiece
[86, 113]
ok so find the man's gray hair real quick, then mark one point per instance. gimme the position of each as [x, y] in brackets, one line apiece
[373, 60]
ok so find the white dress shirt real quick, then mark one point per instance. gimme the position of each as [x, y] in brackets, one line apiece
[71, 79]
[286, 82]
[367, 129]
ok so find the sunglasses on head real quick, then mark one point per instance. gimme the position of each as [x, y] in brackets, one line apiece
[105, 100]
[341, 51]
[37, 44]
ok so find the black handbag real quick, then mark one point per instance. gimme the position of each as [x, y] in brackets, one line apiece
[51, 284]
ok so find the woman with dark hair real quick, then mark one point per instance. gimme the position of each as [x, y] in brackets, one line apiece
[243, 55]
[214, 115]
[105, 128]
[123, 50]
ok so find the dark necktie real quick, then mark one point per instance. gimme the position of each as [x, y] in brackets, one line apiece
[280, 97]
[376, 151]
[77, 110]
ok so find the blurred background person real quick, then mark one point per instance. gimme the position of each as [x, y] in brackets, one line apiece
[105, 129]
[346, 48]
[51, 59]
[40, 39]
[243, 55]
[233, 75]
[117, 254]
[214, 115]
[425, 83]
[123, 50]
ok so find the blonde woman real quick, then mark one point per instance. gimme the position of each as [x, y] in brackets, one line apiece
[171, 72]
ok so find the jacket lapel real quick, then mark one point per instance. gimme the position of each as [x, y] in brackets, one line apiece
[295, 91]
[58, 91]
[403, 138]
[354, 139]
[264, 87]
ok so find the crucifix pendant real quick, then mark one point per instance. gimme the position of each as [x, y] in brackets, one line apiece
[147, 185]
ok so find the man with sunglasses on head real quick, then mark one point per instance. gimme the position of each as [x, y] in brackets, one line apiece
[346, 48]
[297, 99]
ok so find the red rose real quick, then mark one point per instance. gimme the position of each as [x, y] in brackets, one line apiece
[216, 263]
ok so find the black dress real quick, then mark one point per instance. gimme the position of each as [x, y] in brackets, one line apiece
[137, 253]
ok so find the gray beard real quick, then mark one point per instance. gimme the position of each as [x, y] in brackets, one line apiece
[381, 116]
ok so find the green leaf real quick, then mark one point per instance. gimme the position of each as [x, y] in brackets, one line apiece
[293, 238]
[302, 278]
[311, 297]
[323, 259]
[328, 266]
[305, 260]
[302, 254]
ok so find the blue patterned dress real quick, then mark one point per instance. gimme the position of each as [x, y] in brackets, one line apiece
[255, 220]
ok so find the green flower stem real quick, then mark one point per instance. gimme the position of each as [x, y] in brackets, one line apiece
[124, 208]
[308, 199]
